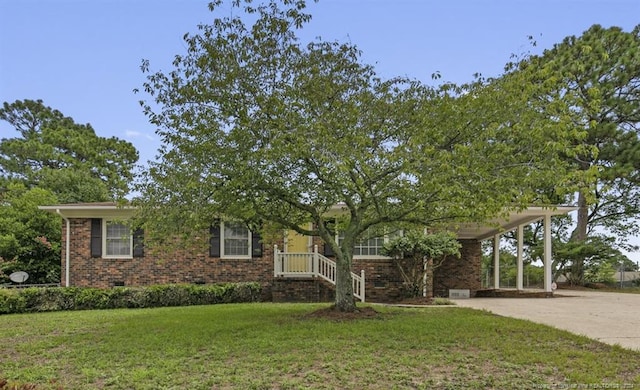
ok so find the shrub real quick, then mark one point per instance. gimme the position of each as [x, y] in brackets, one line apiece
[11, 302]
[417, 254]
[78, 298]
[442, 301]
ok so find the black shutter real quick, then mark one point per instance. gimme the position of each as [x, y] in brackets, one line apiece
[138, 243]
[96, 237]
[328, 251]
[330, 225]
[256, 244]
[214, 240]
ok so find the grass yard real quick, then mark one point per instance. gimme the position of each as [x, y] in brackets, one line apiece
[281, 346]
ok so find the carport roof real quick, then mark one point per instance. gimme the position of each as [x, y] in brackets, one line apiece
[482, 231]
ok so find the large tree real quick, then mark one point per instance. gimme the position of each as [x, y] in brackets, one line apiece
[596, 76]
[29, 238]
[54, 152]
[259, 127]
[576, 261]
[52, 160]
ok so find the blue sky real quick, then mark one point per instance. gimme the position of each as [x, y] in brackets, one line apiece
[82, 57]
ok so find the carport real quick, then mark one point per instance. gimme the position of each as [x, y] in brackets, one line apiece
[516, 220]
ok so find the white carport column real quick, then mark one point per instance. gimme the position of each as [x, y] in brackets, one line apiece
[547, 253]
[496, 261]
[519, 259]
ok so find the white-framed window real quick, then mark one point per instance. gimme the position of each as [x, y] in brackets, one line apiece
[370, 247]
[117, 240]
[235, 239]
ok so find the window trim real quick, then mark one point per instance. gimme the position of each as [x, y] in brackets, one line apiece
[223, 255]
[105, 254]
[386, 238]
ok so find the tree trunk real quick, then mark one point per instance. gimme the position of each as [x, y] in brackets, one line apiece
[580, 235]
[344, 286]
[428, 279]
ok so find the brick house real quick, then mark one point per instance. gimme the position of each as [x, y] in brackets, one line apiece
[99, 250]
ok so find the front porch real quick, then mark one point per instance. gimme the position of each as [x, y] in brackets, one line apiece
[312, 271]
[310, 276]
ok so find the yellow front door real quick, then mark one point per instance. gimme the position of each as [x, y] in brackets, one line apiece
[298, 246]
[297, 243]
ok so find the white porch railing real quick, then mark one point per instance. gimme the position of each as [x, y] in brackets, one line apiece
[312, 265]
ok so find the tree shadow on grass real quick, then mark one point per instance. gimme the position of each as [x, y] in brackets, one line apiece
[333, 314]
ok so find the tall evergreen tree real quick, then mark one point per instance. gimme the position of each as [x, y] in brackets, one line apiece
[51, 160]
[597, 77]
[54, 152]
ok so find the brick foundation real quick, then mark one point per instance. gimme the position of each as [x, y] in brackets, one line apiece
[302, 290]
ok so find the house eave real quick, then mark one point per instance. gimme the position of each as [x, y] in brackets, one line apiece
[465, 231]
[90, 210]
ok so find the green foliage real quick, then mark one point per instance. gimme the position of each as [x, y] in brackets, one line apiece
[77, 298]
[417, 244]
[532, 275]
[570, 256]
[599, 273]
[439, 301]
[69, 159]
[257, 126]
[12, 302]
[592, 260]
[29, 238]
[53, 160]
[416, 254]
[596, 77]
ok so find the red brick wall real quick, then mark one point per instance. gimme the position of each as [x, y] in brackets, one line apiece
[383, 280]
[157, 266]
[302, 290]
[460, 273]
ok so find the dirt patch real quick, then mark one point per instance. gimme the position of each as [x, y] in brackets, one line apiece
[331, 313]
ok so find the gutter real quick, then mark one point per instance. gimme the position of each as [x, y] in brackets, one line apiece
[67, 245]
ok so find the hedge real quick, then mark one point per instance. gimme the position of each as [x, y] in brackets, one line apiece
[36, 299]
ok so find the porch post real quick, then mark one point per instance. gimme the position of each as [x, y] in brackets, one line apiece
[496, 261]
[547, 253]
[315, 268]
[362, 288]
[275, 261]
[520, 257]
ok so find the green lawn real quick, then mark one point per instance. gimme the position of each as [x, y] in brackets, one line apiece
[265, 346]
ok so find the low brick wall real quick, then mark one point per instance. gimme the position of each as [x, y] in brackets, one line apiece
[301, 290]
[383, 282]
[460, 273]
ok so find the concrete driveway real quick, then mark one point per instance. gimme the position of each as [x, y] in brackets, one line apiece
[612, 318]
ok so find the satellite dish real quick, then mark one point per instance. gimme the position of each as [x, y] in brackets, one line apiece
[19, 277]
